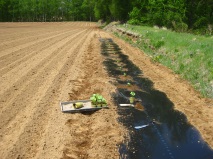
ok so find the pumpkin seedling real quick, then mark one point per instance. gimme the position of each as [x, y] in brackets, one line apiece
[97, 100]
[104, 102]
[93, 99]
[132, 98]
[132, 94]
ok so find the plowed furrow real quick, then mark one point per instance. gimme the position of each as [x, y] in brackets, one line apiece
[50, 143]
[11, 61]
[11, 33]
[9, 79]
[12, 30]
[23, 47]
[42, 102]
[22, 34]
[59, 62]
[25, 81]
[25, 39]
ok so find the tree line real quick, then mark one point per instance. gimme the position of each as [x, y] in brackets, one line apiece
[182, 14]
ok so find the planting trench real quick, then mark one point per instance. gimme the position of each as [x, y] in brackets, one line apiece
[166, 133]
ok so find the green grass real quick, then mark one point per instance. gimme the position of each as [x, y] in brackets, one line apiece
[189, 55]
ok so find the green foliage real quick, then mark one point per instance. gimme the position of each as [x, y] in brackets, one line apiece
[199, 13]
[158, 44]
[201, 21]
[157, 58]
[180, 27]
[179, 15]
[134, 16]
[186, 54]
[46, 10]
[97, 100]
[132, 94]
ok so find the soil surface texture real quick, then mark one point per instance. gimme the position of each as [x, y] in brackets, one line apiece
[42, 64]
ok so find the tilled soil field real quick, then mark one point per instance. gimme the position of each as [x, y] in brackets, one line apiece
[42, 64]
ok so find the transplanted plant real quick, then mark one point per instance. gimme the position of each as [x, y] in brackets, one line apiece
[132, 94]
[132, 97]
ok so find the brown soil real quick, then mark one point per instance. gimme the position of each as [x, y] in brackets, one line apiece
[42, 64]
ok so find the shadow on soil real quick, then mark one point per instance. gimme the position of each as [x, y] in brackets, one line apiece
[165, 133]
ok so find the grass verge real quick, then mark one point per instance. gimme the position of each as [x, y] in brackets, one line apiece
[189, 55]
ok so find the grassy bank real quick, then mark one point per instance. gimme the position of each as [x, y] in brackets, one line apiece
[189, 55]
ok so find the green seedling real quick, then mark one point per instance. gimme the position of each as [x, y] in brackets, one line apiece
[93, 99]
[98, 100]
[124, 74]
[129, 84]
[104, 102]
[132, 98]
[132, 94]
[99, 97]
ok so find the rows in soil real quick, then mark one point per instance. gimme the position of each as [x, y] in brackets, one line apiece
[170, 135]
[93, 134]
[31, 81]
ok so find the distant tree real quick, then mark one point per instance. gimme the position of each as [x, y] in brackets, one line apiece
[88, 10]
[176, 14]
[158, 12]
[199, 13]
[76, 10]
[135, 16]
[102, 11]
[119, 9]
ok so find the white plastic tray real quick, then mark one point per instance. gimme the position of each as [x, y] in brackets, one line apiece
[87, 106]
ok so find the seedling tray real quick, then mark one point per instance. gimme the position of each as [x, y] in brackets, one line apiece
[87, 106]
